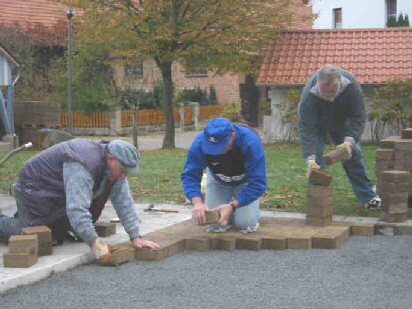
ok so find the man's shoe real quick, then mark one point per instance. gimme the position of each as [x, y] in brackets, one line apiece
[374, 203]
[250, 229]
[220, 229]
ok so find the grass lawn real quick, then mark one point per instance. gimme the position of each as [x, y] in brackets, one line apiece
[159, 178]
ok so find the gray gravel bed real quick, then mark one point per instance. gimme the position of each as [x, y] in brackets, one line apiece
[364, 272]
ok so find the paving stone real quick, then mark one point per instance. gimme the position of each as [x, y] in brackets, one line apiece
[44, 238]
[344, 232]
[362, 229]
[319, 191]
[384, 154]
[391, 187]
[124, 254]
[318, 220]
[320, 211]
[249, 242]
[274, 242]
[394, 218]
[300, 239]
[212, 216]
[19, 259]
[325, 239]
[406, 133]
[24, 244]
[389, 142]
[223, 243]
[198, 243]
[320, 177]
[396, 176]
[403, 144]
[337, 155]
[105, 229]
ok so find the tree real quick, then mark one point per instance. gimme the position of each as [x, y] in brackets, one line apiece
[406, 20]
[220, 35]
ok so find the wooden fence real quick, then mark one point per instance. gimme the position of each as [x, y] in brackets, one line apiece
[144, 117]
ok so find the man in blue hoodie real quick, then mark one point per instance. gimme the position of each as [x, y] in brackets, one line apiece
[332, 103]
[236, 175]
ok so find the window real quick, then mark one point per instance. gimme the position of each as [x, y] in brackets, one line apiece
[134, 71]
[390, 8]
[337, 18]
[199, 73]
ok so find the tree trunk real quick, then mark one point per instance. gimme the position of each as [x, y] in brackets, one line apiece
[169, 138]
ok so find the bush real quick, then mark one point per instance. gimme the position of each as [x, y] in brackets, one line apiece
[392, 106]
[197, 95]
[130, 96]
[233, 111]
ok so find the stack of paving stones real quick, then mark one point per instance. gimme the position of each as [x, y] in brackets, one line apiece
[319, 205]
[319, 198]
[395, 153]
[394, 191]
[23, 251]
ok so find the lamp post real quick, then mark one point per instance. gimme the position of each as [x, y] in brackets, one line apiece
[69, 14]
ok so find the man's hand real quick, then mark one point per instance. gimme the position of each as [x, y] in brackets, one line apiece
[141, 243]
[346, 145]
[311, 164]
[103, 252]
[225, 212]
[198, 213]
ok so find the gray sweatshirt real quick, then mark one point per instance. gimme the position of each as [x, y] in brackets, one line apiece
[346, 113]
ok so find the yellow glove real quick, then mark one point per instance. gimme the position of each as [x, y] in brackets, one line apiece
[346, 145]
[103, 252]
[309, 166]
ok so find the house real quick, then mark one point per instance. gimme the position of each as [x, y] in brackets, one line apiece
[374, 56]
[30, 14]
[358, 13]
[8, 77]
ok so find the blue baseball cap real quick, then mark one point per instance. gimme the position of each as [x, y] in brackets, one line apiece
[126, 154]
[216, 135]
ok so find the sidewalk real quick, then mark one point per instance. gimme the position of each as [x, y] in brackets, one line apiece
[70, 255]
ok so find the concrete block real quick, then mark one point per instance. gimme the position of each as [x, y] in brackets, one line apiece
[19, 259]
[300, 239]
[342, 230]
[105, 229]
[44, 238]
[383, 165]
[394, 198]
[151, 254]
[320, 177]
[394, 208]
[212, 216]
[337, 155]
[249, 242]
[396, 176]
[124, 254]
[223, 243]
[406, 133]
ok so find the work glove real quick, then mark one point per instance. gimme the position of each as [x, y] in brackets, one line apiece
[103, 252]
[311, 164]
[347, 144]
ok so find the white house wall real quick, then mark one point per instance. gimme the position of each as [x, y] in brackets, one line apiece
[356, 13]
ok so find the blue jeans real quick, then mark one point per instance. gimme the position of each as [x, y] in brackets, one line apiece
[12, 226]
[218, 193]
[354, 167]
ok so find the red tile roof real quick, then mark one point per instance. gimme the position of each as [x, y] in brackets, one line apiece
[372, 55]
[26, 12]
